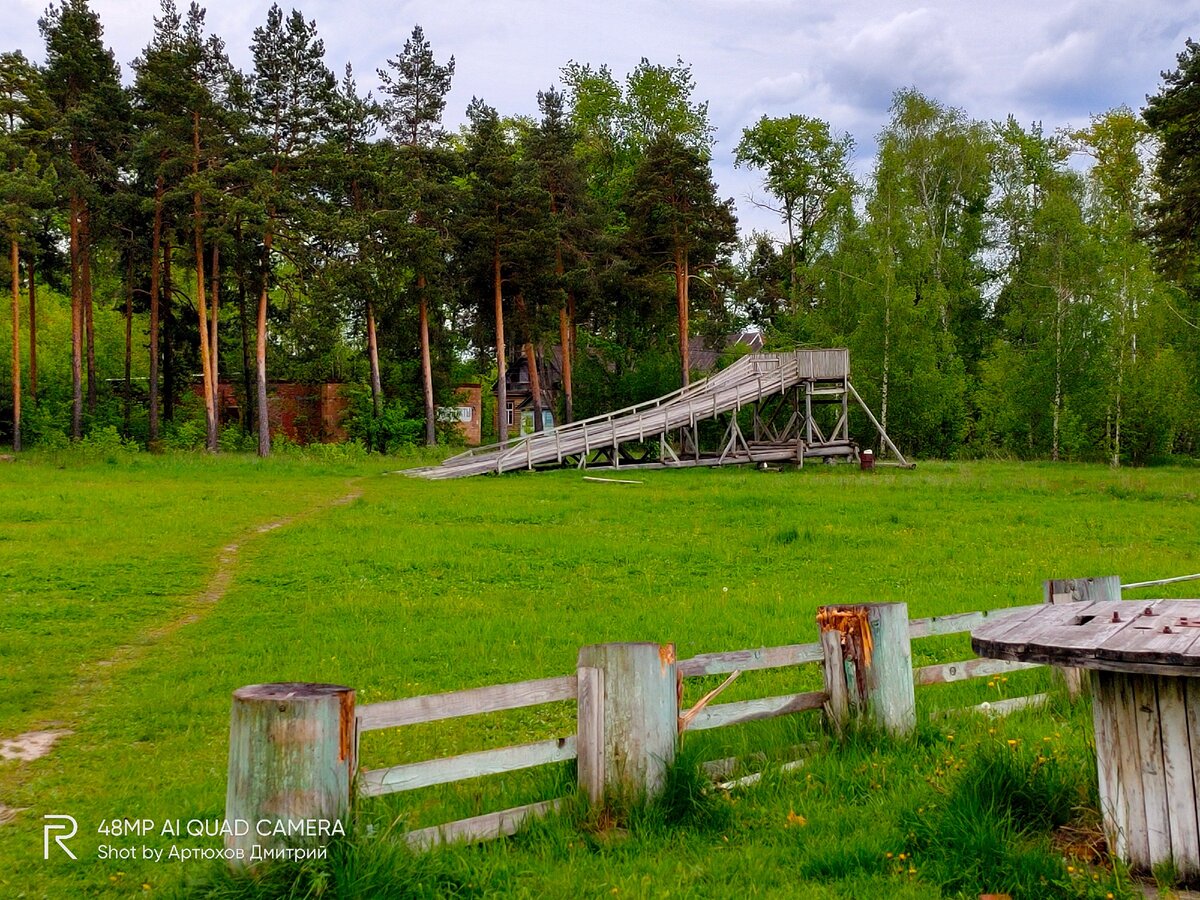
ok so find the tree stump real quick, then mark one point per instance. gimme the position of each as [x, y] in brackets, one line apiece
[291, 766]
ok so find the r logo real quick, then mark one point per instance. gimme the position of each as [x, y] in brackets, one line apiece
[58, 838]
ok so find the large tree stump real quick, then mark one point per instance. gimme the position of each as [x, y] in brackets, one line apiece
[874, 676]
[291, 765]
[629, 719]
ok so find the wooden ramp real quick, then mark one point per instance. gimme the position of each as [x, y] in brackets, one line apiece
[780, 389]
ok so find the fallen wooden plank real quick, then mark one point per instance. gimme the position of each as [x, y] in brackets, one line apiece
[411, 776]
[612, 480]
[748, 660]
[971, 668]
[723, 714]
[480, 828]
[433, 707]
[1011, 705]
[755, 777]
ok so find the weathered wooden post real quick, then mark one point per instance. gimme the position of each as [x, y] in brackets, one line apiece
[628, 719]
[291, 766]
[1079, 590]
[868, 664]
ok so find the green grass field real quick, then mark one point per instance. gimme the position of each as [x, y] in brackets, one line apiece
[409, 587]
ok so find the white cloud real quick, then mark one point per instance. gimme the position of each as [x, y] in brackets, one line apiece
[836, 59]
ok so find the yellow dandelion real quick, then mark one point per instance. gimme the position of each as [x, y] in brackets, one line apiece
[794, 819]
[912, 871]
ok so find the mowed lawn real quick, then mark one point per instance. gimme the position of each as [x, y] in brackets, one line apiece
[419, 587]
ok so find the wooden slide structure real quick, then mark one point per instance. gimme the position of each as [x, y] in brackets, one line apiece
[780, 389]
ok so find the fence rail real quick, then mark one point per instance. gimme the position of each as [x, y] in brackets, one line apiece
[494, 698]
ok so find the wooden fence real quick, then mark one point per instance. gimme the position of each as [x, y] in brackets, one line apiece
[628, 707]
[702, 716]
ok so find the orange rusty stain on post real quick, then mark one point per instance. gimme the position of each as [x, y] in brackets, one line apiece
[666, 655]
[346, 728]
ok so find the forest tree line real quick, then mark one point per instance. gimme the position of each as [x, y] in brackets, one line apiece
[1002, 288]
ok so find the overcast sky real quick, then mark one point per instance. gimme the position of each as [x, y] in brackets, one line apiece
[840, 60]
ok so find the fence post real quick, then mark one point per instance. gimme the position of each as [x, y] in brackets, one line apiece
[628, 725]
[1079, 590]
[867, 645]
[291, 766]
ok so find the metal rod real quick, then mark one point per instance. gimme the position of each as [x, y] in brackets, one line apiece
[1142, 584]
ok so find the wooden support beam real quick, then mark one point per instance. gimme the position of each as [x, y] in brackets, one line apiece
[882, 434]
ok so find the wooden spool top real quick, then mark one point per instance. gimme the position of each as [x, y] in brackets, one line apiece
[291, 691]
[1151, 636]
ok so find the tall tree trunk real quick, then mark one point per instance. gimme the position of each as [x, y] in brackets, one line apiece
[32, 329]
[128, 341]
[1116, 453]
[535, 385]
[535, 381]
[260, 349]
[210, 414]
[373, 357]
[85, 246]
[247, 379]
[76, 325]
[214, 331]
[15, 262]
[426, 365]
[168, 322]
[501, 364]
[206, 371]
[564, 341]
[1058, 395]
[681, 296]
[155, 253]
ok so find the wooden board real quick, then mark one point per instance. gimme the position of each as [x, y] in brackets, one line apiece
[961, 622]
[480, 828]
[433, 707]
[721, 714]
[411, 776]
[970, 668]
[746, 660]
[1177, 774]
[1150, 756]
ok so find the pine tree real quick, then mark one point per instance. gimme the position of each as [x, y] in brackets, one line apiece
[678, 222]
[83, 82]
[26, 185]
[415, 90]
[291, 90]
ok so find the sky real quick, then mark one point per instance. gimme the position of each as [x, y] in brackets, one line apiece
[1048, 61]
